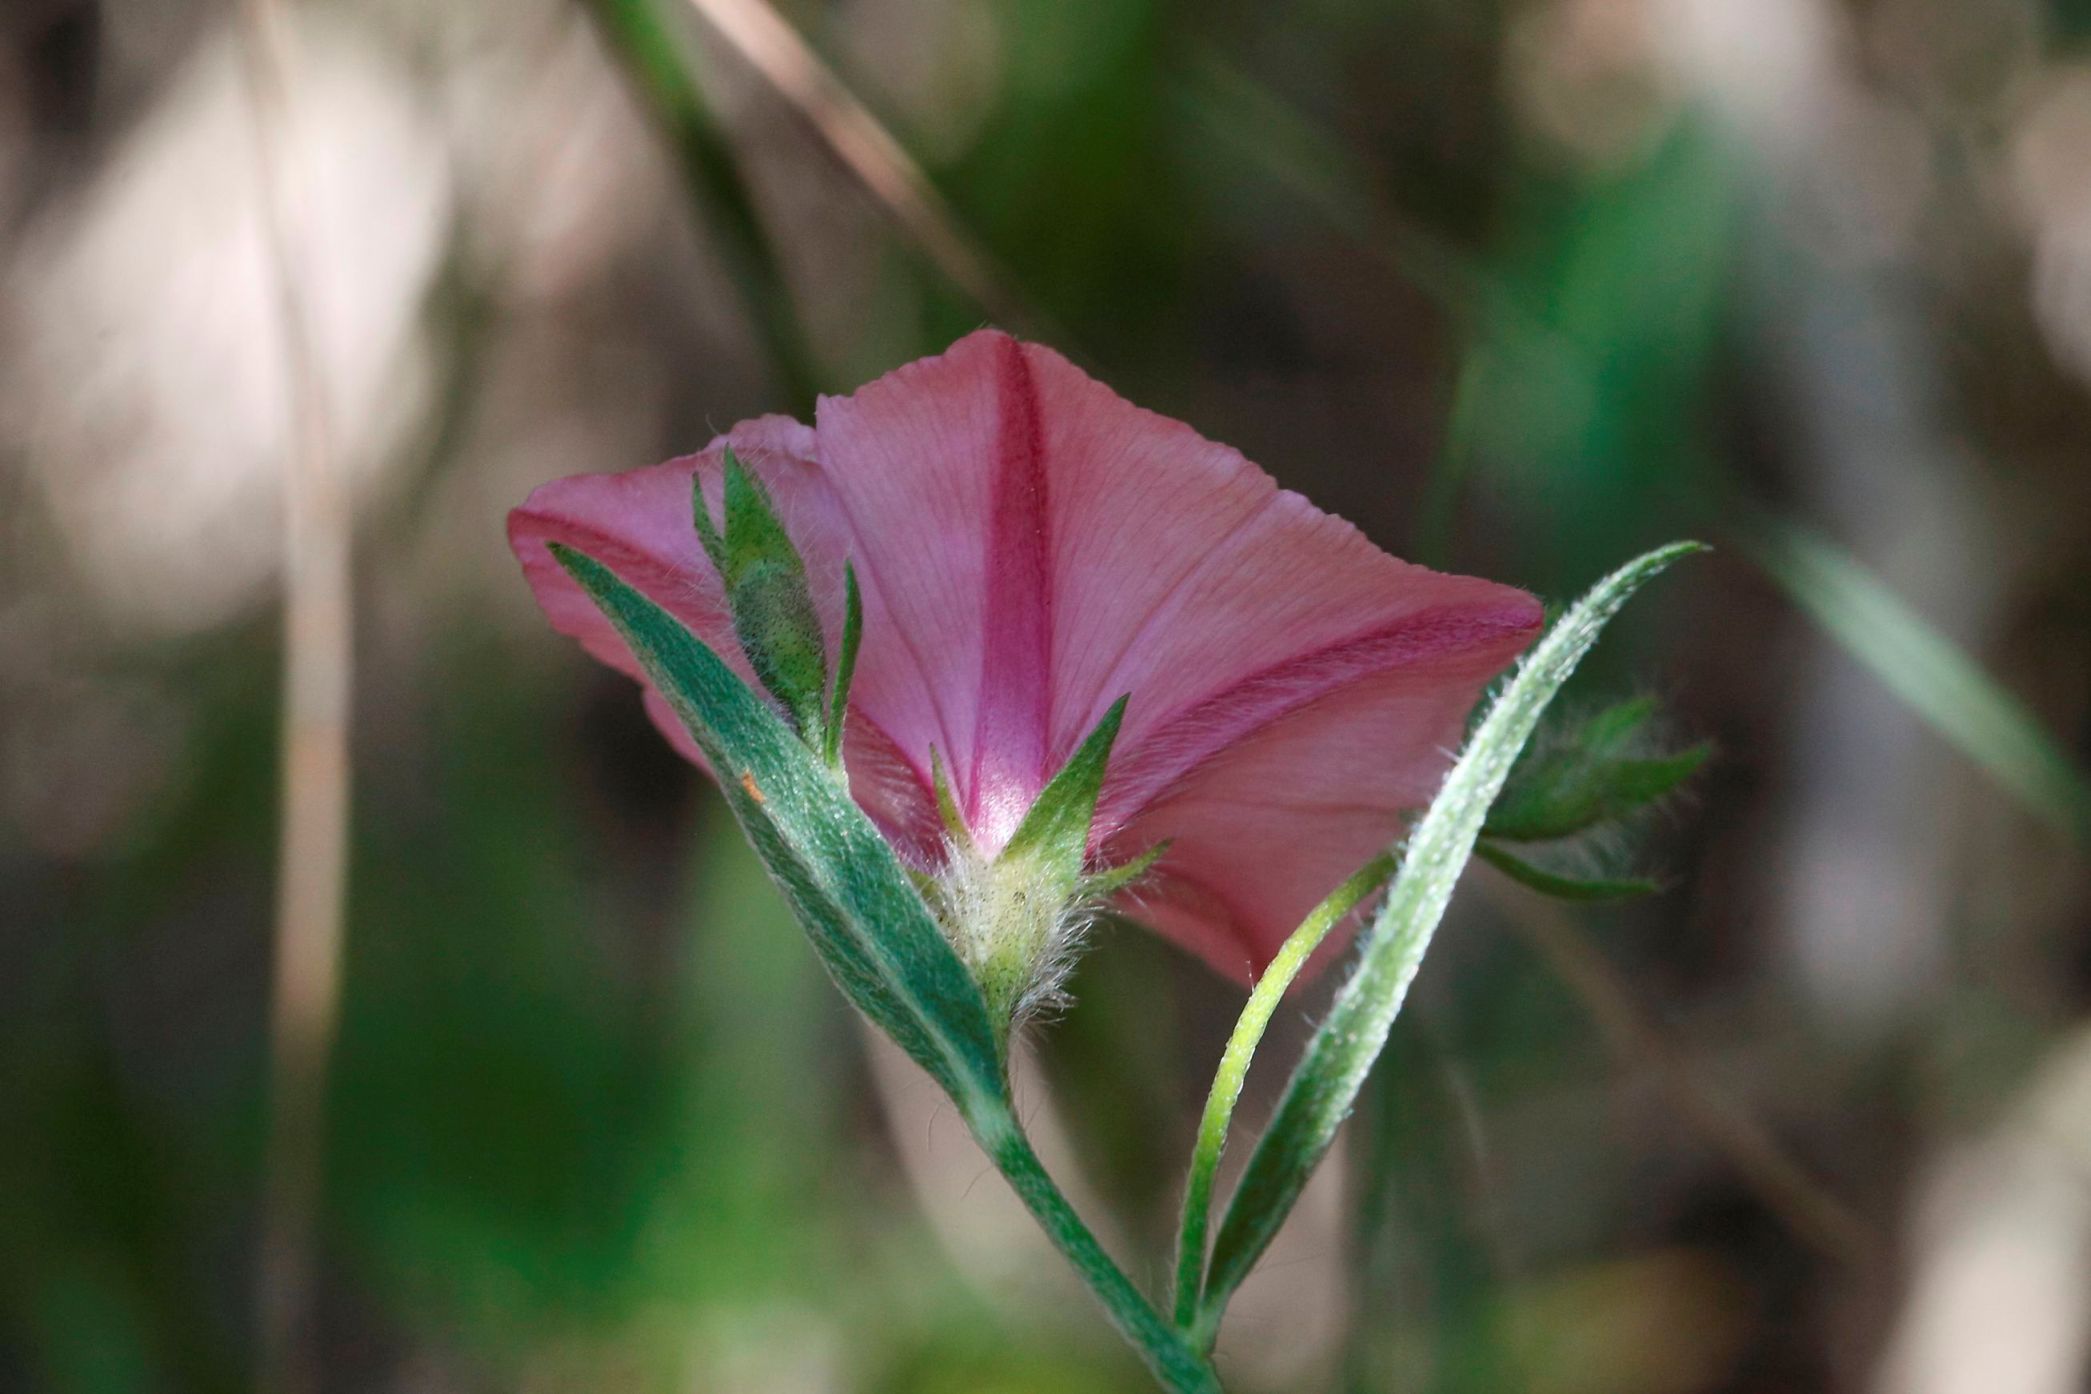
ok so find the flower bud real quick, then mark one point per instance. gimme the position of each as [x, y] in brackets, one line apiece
[773, 614]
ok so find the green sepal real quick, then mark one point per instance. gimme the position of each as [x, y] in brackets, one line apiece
[708, 534]
[1563, 788]
[868, 924]
[948, 811]
[767, 594]
[1055, 830]
[1324, 1087]
[1560, 886]
[1102, 885]
[845, 665]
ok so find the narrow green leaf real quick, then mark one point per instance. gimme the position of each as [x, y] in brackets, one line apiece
[1233, 1072]
[1056, 828]
[1324, 1087]
[870, 927]
[1559, 886]
[845, 663]
[1927, 671]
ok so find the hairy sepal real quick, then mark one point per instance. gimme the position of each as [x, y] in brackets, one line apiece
[1018, 918]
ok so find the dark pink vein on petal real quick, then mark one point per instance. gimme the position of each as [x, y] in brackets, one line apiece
[1185, 741]
[1009, 754]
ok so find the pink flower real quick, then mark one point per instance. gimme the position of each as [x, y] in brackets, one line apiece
[1030, 547]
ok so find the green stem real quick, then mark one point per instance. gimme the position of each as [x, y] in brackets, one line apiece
[1234, 1071]
[1174, 1364]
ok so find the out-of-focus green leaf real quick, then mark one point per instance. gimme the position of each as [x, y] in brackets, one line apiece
[1325, 1086]
[1608, 732]
[1923, 668]
[1433, 1275]
[1587, 402]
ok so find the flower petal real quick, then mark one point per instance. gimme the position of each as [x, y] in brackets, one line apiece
[1294, 688]
[1033, 546]
[1182, 571]
[1262, 831]
[939, 469]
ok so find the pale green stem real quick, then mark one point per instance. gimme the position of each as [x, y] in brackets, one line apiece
[1234, 1071]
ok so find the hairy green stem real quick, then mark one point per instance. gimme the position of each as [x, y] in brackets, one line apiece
[1227, 1081]
[1173, 1363]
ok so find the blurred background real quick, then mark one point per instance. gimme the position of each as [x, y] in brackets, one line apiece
[1521, 286]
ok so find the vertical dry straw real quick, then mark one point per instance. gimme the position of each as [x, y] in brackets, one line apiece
[313, 847]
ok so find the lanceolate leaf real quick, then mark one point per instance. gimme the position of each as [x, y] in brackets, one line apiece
[1234, 1072]
[1325, 1086]
[1578, 797]
[865, 919]
[1610, 729]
